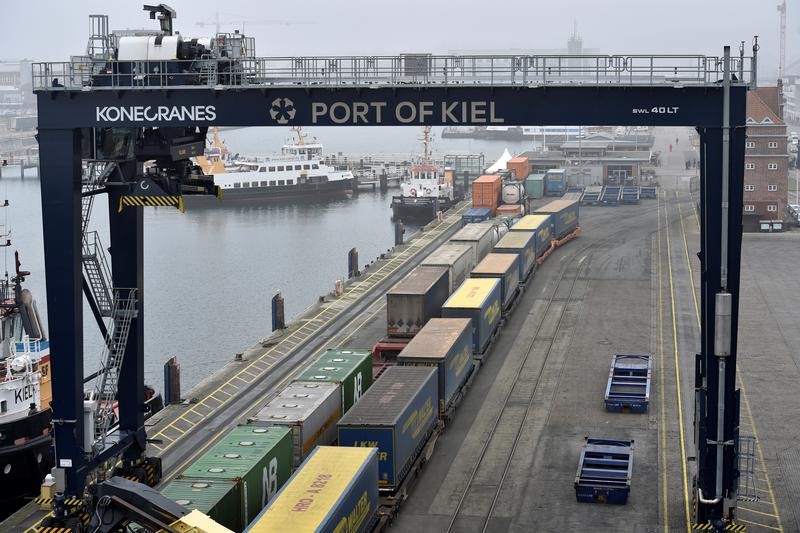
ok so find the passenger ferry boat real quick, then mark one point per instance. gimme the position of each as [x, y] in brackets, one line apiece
[426, 192]
[298, 172]
[25, 395]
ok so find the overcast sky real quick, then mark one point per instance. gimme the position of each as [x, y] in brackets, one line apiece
[52, 30]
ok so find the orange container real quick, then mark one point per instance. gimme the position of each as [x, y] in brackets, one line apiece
[510, 210]
[486, 191]
[520, 167]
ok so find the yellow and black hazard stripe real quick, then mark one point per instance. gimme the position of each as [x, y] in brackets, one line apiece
[151, 201]
[69, 502]
[150, 473]
[738, 528]
[53, 529]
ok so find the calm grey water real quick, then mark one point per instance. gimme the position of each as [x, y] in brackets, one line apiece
[210, 273]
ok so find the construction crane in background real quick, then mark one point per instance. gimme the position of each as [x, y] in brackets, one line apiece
[782, 57]
[242, 21]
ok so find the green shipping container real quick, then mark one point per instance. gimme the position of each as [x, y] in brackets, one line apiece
[351, 369]
[259, 457]
[534, 186]
[220, 499]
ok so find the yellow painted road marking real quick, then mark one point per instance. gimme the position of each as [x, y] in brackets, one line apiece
[661, 388]
[742, 520]
[739, 507]
[738, 374]
[678, 377]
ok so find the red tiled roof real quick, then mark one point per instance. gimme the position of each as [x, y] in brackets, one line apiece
[758, 110]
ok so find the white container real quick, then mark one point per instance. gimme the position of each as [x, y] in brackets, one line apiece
[458, 258]
[311, 410]
[481, 236]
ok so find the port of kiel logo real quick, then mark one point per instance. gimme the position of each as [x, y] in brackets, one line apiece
[282, 110]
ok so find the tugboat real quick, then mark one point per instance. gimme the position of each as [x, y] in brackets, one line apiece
[298, 172]
[25, 394]
[426, 192]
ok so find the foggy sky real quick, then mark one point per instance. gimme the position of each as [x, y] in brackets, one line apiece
[52, 30]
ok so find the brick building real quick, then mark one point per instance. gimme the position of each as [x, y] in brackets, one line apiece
[766, 167]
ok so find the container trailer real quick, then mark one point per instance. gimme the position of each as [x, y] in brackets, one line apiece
[445, 344]
[310, 410]
[502, 266]
[478, 300]
[416, 299]
[335, 490]
[396, 415]
[457, 258]
[565, 215]
[350, 369]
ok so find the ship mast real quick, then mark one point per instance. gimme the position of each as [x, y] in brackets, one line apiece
[426, 144]
[301, 137]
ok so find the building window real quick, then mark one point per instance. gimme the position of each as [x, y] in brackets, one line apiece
[262, 169]
[772, 208]
[772, 144]
[237, 185]
[265, 184]
[772, 187]
[272, 183]
[298, 167]
[750, 166]
[280, 169]
[245, 184]
[272, 169]
[750, 144]
[749, 187]
[3, 406]
[306, 167]
[314, 166]
[281, 182]
[289, 182]
[749, 208]
[772, 166]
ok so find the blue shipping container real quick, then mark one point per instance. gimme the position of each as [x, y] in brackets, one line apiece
[542, 225]
[480, 301]
[395, 415]
[522, 243]
[444, 343]
[555, 182]
[565, 215]
[476, 214]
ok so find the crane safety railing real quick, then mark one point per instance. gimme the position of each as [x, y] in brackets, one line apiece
[85, 73]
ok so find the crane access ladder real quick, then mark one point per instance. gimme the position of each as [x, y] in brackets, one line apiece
[95, 266]
[105, 394]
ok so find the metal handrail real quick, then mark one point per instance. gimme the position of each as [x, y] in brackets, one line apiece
[84, 73]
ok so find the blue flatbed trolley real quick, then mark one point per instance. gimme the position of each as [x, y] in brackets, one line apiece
[604, 471]
[628, 388]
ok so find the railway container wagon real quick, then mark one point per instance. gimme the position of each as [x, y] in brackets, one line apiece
[565, 216]
[335, 490]
[522, 243]
[257, 460]
[478, 300]
[481, 237]
[504, 267]
[542, 225]
[444, 343]
[350, 369]
[457, 258]
[310, 410]
[220, 499]
[396, 415]
[416, 299]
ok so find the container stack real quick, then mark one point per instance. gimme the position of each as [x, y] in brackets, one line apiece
[519, 166]
[486, 192]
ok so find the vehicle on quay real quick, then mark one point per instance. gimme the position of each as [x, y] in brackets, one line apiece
[298, 172]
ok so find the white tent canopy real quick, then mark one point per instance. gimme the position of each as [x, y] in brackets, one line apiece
[500, 164]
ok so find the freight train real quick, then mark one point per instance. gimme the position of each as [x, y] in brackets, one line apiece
[381, 407]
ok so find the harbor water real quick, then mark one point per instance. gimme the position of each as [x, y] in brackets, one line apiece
[210, 272]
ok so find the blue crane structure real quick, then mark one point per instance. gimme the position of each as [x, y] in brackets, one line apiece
[128, 110]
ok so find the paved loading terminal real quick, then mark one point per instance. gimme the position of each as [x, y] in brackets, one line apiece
[507, 460]
[623, 286]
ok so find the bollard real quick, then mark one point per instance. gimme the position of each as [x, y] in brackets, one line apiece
[352, 263]
[172, 381]
[278, 316]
